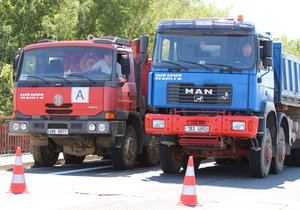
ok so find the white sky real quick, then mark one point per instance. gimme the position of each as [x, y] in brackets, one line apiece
[280, 17]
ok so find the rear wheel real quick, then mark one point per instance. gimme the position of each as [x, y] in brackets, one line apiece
[73, 159]
[124, 157]
[45, 156]
[170, 159]
[278, 160]
[260, 161]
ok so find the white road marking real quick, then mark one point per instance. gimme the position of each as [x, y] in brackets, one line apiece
[80, 170]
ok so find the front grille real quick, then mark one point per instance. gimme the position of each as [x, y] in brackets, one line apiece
[207, 94]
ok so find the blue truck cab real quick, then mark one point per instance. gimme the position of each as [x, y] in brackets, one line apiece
[219, 90]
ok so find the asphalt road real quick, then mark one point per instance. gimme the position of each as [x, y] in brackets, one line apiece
[96, 185]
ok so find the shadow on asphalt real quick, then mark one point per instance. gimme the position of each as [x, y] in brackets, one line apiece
[209, 174]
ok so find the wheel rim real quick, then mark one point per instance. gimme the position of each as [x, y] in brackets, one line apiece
[268, 150]
[130, 147]
[281, 149]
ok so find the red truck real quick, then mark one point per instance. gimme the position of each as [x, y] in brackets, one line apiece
[66, 105]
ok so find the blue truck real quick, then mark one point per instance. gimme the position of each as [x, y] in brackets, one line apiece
[221, 89]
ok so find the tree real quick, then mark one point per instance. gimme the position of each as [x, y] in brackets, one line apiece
[289, 45]
[6, 91]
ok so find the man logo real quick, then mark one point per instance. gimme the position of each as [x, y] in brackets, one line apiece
[198, 98]
[58, 100]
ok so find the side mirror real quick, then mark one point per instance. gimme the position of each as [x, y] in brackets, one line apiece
[267, 61]
[267, 49]
[125, 64]
[15, 65]
[16, 62]
[144, 40]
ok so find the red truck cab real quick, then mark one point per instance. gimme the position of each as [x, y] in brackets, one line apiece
[80, 98]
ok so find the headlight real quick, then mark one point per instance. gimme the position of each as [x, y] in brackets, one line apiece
[15, 126]
[92, 127]
[23, 126]
[158, 124]
[101, 127]
[239, 126]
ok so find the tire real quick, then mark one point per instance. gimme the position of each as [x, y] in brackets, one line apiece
[278, 160]
[45, 156]
[125, 157]
[170, 160]
[260, 161]
[150, 155]
[73, 159]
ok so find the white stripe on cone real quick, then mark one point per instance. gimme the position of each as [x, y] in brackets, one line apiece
[18, 161]
[188, 190]
[18, 179]
[190, 171]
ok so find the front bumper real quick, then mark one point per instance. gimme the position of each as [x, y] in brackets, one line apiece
[220, 125]
[51, 127]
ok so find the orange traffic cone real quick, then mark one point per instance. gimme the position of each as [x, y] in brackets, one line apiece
[18, 185]
[188, 194]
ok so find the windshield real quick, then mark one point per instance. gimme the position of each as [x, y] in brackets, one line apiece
[204, 51]
[66, 64]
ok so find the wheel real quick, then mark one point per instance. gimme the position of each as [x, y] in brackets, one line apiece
[260, 161]
[278, 160]
[170, 159]
[45, 156]
[73, 159]
[124, 157]
[150, 155]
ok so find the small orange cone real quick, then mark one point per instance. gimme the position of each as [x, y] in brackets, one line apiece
[18, 185]
[188, 194]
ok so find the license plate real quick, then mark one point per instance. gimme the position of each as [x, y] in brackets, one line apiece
[200, 128]
[58, 131]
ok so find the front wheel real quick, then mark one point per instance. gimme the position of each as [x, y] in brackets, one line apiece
[170, 159]
[124, 157]
[260, 161]
[45, 156]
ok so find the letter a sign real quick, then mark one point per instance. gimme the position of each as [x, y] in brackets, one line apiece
[80, 95]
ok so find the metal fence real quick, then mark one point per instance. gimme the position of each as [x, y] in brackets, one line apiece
[8, 144]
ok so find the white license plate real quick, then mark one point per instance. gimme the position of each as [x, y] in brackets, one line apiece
[200, 128]
[58, 131]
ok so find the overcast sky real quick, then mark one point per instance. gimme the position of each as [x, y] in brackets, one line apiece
[276, 16]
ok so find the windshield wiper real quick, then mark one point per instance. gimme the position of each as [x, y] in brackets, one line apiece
[198, 64]
[176, 64]
[80, 76]
[37, 77]
[68, 81]
[225, 66]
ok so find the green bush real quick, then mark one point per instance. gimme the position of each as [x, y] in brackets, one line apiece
[6, 91]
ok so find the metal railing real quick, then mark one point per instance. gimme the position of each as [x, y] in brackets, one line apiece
[8, 144]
